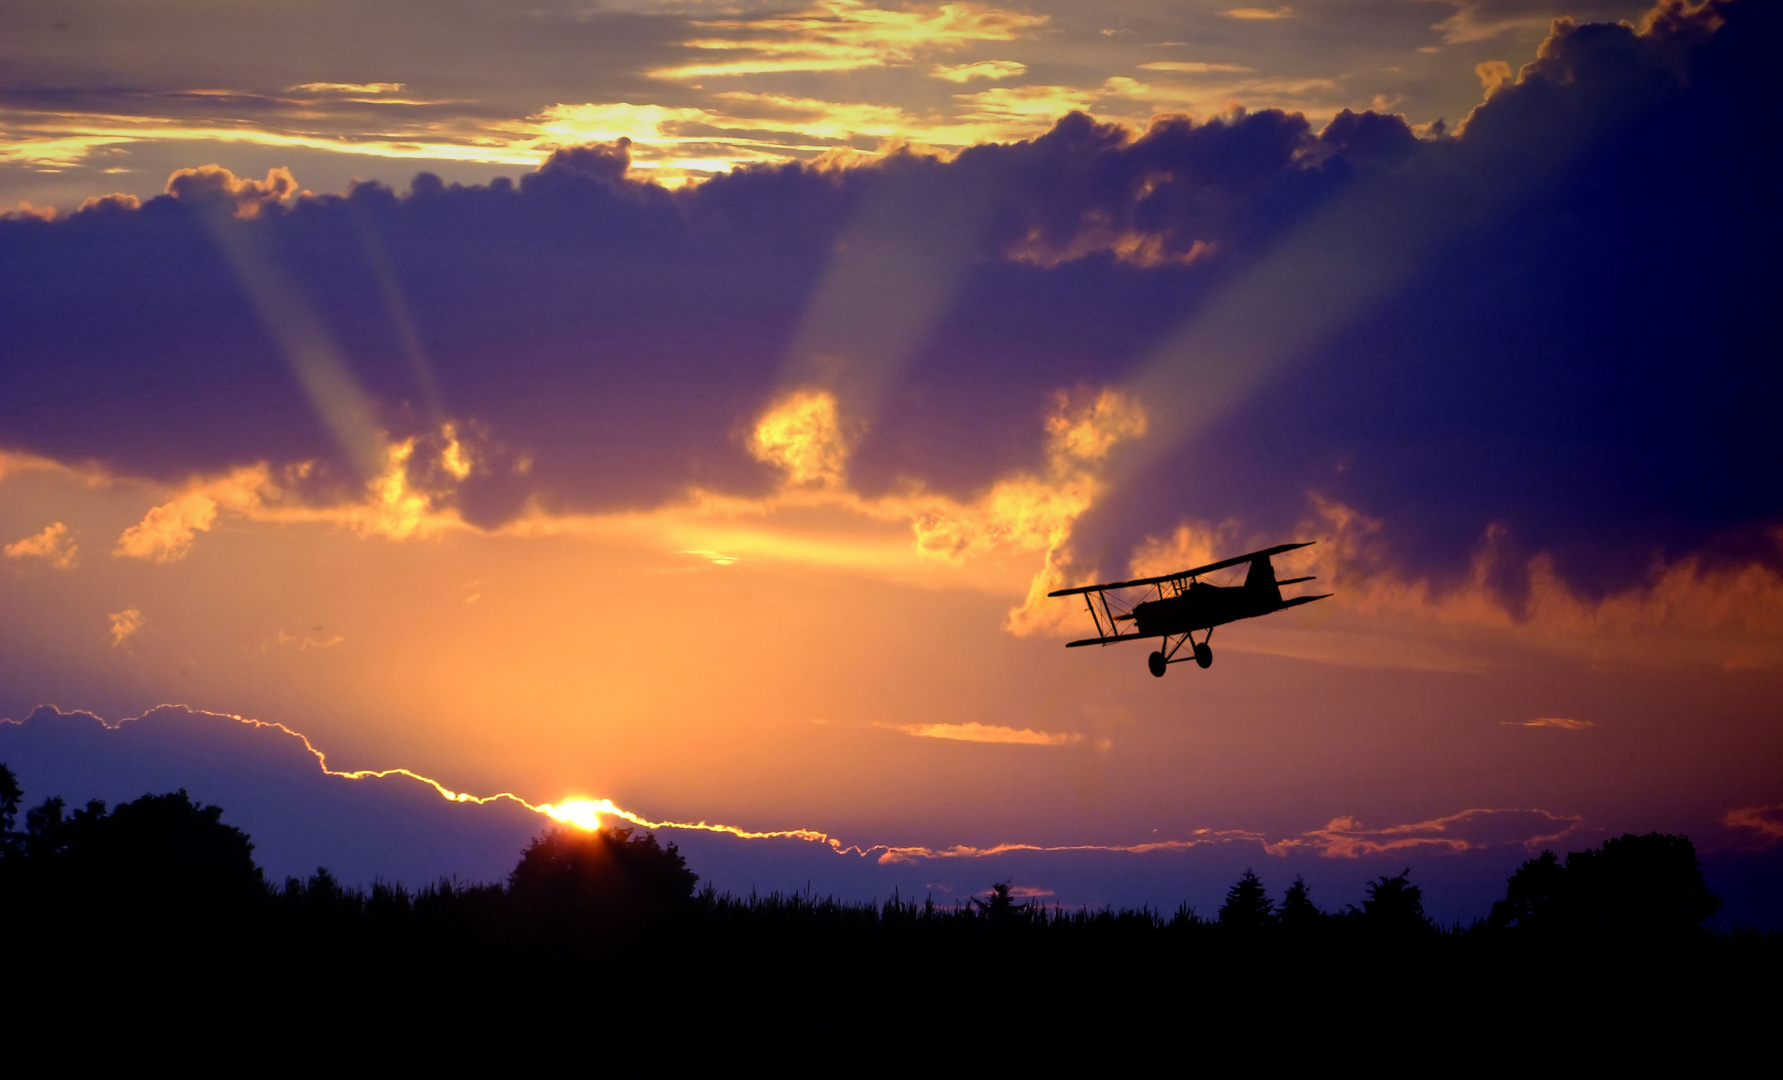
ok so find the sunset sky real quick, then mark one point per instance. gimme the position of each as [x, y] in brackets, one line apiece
[689, 405]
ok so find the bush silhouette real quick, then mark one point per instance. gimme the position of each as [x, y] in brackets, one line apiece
[608, 872]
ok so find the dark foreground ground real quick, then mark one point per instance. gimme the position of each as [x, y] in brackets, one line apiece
[447, 976]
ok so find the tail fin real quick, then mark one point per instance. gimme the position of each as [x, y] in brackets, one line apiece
[1261, 579]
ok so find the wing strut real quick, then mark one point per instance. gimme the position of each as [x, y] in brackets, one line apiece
[1103, 634]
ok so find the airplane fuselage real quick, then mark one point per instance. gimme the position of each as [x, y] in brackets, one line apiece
[1203, 607]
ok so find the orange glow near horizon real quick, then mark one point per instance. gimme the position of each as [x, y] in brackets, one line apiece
[815, 654]
[1342, 838]
[517, 655]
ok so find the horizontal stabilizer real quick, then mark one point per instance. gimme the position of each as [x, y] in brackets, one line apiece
[1297, 580]
[1193, 572]
[1106, 640]
[1298, 600]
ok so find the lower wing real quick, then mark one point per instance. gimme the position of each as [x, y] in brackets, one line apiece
[1106, 640]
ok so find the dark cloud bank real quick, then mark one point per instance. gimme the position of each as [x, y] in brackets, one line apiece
[1585, 350]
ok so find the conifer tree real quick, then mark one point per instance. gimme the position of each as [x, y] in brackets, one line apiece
[1247, 905]
[1395, 905]
[1298, 912]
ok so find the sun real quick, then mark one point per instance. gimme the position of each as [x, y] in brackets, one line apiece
[582, 813]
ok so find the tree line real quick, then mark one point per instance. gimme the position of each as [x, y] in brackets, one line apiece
[167, 852]
[161, 888]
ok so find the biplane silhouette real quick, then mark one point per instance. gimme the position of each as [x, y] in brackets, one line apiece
[1185, 604]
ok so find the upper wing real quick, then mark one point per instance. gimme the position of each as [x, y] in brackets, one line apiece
[1209, 568]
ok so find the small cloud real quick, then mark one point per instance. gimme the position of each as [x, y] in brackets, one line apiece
[973, 731]
[1022, 104]
[52, 544]
[349, 87]
[166, 532]
[1469, 830]
[454, 458]
[1028, 891]
[1745, 660]
[845, 36]
[1493, 74]
[1259, 13]
[245, 196]
[118, 202]
[1479, 20]
[717, 558]
[26, 210]
[983, 69]
[124, 624]
[306, 642]
[802, 434]
[1564, 723]
[1765, 821]
[1132, 248]
[1192, 67]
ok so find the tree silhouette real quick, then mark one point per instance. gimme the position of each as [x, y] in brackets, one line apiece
[10, 794]
[10, 842]
[1395, 905]
[1640, 884]
[1631, 885]
[163, 851]
[1536, 898]
[1298, 912]
[1000, 905]
[1247, 905]
[601, 872]
[52, 833]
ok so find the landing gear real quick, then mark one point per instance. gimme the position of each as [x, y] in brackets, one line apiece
[1160, 660]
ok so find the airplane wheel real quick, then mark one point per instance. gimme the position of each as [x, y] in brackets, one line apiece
[1204, 656]
[1156, 662]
